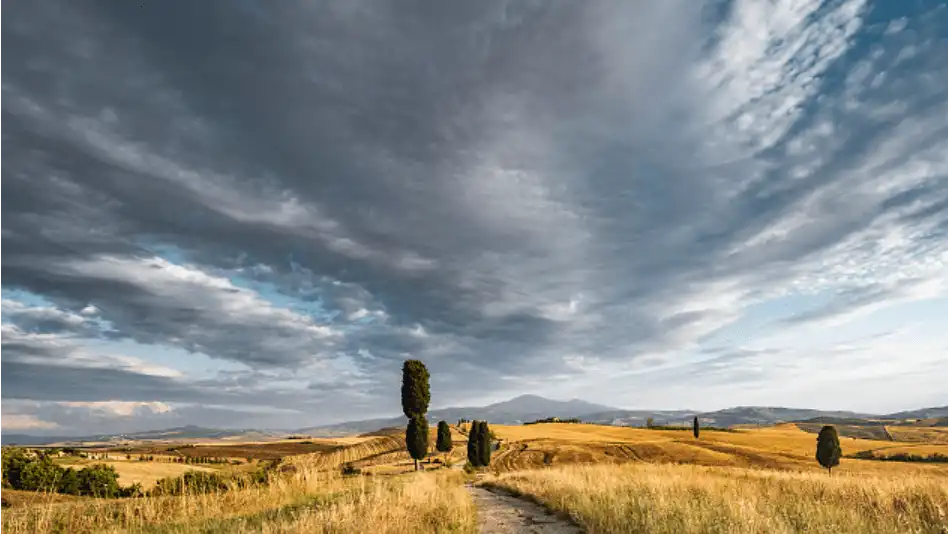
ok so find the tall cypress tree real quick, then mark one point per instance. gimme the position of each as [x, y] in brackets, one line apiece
[828, 451]
[694, 428]
[473, 444]
[484, 444]
[415, 398]
[444, 437]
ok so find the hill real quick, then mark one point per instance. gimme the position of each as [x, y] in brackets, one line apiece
[940, 412]
[188, 432]
[527, 408]
[510, 412]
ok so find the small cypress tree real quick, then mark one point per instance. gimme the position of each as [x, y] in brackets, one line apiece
[828, 451]
[417, 438]
[444, 437]
[694, 428]
[473, 444]
[483, 439]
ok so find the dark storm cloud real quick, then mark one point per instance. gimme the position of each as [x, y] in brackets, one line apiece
[490, 186]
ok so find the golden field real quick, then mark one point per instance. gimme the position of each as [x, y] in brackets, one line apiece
[682, 499]
[304, 501]
[144, 473]
[783, 447]
[610, 479]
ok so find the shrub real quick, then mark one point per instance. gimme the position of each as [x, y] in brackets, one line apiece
[69, 483]
[98, 480]
[349, 470]
[40, 475]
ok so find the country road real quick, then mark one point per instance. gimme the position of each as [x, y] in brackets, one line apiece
[498, 513]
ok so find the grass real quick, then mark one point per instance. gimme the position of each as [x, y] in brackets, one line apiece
[694, 499]
[305, 501]
[144, 473]
[269, 450]
[612, 479]
[780, 447]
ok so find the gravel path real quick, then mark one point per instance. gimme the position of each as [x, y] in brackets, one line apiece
[502, 513]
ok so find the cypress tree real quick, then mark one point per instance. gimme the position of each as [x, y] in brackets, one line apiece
[415, 398]
[473, 444]
[484, 444]
[828, 451]
[415, 392]
[444, 437]
[416, 438]
[694, 428]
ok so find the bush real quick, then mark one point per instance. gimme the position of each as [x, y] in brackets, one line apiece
[69, 483]
[40, 475]
[902, 457]
[99, 480]
[348, 469]
[573, 420]
[469, 468]
[15, 460]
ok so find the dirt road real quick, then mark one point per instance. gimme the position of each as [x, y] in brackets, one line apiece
[501, 513]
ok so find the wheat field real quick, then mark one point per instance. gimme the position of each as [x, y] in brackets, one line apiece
[611, 479]
[781, 447]
[304, 501]
[684, 499]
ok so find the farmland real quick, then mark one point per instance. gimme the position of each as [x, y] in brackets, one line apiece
[607, 477]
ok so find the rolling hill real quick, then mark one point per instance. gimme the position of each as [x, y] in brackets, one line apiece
[521, 409]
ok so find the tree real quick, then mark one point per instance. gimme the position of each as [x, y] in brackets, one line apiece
[41, 475]
[415, 399]
[99, 480]
[417, 438]
[444, 437]
[648, 422]
[484, 444]
[828, 451]
[694, 428]
[415, 392]
[473, 444]
[69, 483]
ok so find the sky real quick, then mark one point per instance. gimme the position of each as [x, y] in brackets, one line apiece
[249, 214]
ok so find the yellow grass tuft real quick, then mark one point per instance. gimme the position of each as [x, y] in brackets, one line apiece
[695, 499]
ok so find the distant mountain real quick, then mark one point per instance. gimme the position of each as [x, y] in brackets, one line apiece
[923, 413]
[519, 410]
[515, 411]
[532, 407]
[168, 434]
[768, 415]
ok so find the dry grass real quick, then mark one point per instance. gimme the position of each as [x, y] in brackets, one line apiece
[269, 450]
[920, 434]
[779, 447]
[305, 501]
[419, 502]
[694, 499]
[144, 473]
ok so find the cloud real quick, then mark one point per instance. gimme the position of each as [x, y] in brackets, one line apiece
[25, 422]
[121, 409]
[511, 192]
